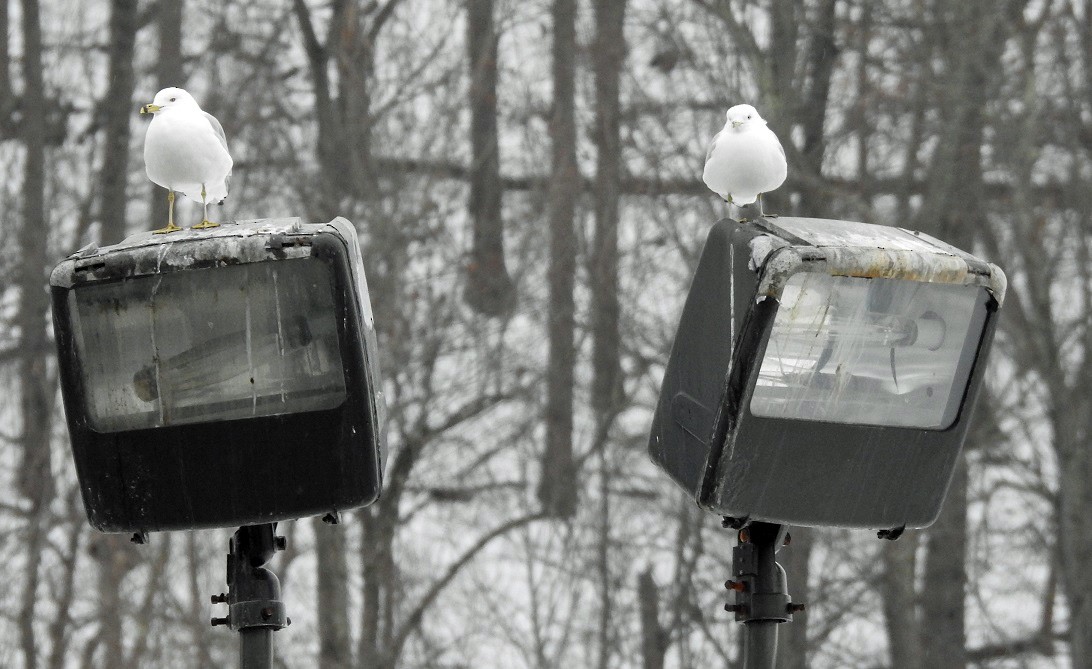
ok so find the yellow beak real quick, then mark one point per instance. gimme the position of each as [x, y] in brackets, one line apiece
[735, 124]
[150, 109]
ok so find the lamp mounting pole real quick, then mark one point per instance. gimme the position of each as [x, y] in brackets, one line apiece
[255, 609]
[761, 589]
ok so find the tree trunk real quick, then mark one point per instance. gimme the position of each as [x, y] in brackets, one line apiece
[944, 638]
[1071, 423]
[602, 565]
[653, 637]
[489, 289]
[117, 111]
[200, 629]
[168, 66]
[108, 551]
[144, 611]
[331, 137]
[335, 645]
[35, 477]
[557, 491]
[60, 628]
[342, 111]
[813, 108]
[778, 62]
[378, 580]
[1075, 536]
[367, 649]
[6, 98]
[953, 209]
[354, 53]
[168, 72]
[900, 602]
[610, 51]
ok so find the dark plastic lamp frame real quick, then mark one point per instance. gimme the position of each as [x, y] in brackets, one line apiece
[234, 472]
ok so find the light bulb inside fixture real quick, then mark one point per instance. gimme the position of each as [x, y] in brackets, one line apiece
[868, 350]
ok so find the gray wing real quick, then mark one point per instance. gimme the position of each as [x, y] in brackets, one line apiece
[217, 129]
[713, 145]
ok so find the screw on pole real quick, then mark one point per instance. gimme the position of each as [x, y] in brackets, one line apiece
[255, 609]
[762, 599]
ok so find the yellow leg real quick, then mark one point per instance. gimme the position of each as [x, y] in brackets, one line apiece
[205, 222]
[171, 227]
[762, 214]
[742, 210]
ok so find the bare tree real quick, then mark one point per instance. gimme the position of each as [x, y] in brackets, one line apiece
[116, 111]
[967, 121]
[959, 152]
[558, 489]
[344, 155]
[900, 602]
[607, 391]
[168, 72]
[653, 636]
[35, 391]
[489, 289]
[6, 94]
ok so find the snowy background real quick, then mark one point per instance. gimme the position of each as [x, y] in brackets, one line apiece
[522, 523]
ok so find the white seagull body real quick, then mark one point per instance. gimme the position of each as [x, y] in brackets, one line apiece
[185, 150]
[745, 159]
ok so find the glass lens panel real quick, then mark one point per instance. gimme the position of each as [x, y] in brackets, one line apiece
[232, 342]
[869, 351]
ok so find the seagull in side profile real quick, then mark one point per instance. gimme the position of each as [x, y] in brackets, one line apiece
[185, 151]
[745, 159]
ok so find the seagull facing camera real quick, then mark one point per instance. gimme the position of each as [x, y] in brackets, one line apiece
[185, 150]
[745, 159]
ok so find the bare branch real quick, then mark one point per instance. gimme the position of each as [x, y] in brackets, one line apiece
[413, 620]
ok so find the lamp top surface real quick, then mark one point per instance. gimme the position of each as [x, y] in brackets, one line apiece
[849, 248]
[236, 242]
[243, 228]
[826, 232]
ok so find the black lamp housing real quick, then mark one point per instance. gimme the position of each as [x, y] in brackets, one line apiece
[846, 420]
[220, 377]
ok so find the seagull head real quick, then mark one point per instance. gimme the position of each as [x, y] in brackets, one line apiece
[169, 98]
[742, 116]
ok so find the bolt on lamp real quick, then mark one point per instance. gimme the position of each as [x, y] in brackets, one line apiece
[219, 378]
[823, 374]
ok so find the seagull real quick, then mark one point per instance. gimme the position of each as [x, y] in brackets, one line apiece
[745, 159]
[185, 150]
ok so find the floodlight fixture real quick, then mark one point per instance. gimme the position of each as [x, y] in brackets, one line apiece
[824, 371]
[823, 374]
[223, 377]
[220, 377]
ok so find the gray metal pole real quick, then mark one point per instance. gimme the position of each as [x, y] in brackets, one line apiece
[762, 594]
[256, 648]
[255, 609]
[760, 645]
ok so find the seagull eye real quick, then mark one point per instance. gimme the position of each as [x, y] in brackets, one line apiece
[748, 115]
[173, 99]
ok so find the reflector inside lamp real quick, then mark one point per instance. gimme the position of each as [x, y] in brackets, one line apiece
[870, 351]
